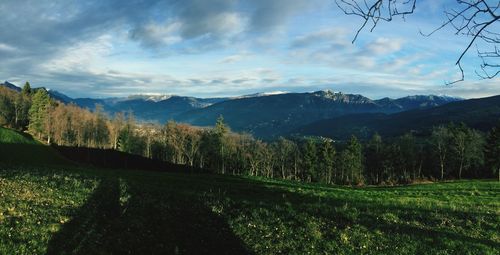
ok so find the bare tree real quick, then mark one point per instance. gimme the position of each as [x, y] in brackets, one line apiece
[475, 19]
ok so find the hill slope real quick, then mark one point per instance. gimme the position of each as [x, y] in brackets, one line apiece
[21, 148]
[480, 114]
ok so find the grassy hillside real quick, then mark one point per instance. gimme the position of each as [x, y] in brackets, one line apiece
[11, 136]
[90, 211]
[21, 148]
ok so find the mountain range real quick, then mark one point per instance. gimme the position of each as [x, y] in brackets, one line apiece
[268, 115]
[274, 115]
[481, 114]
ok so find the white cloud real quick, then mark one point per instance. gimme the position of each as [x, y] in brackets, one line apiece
[333, 36]
[385, 45]
[234, 58]
[83, 56]
[7, 48]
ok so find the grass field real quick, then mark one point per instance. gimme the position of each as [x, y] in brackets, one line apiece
[90, 211]
[55, 207]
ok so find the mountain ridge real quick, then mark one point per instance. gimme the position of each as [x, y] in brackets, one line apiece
[479, 113]
[265, 115]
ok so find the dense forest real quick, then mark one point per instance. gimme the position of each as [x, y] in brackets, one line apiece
[454, 151]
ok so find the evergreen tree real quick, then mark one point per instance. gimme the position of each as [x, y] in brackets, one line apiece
[38, 112]
[26, 89]
[7, 108]
[309, 161]
[375, 159]
[351, 163]
[327, 161]
[220, 134]
[408, 157]
[22, 105]
[492, 151]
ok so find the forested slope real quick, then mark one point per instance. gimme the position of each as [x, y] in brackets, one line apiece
[481, 114]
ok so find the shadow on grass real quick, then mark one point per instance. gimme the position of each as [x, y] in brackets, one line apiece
[30, 154]
[171, 213]
[113, 159]
[126, 217]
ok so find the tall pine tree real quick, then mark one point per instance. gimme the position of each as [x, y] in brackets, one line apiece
[492, 151]
[38, 112]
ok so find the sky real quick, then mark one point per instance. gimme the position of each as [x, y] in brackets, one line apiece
[215, 48]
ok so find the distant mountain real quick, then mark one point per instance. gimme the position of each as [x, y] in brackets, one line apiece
[160, 109]
[152, 108]
[264, 115]
[416, 102]
[59, 96]
[273, 115]
[10, 86]
[481, 114]
[149, 108]
[261, 94]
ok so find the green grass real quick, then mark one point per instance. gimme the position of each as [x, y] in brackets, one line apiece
[11, 136]
[20, 148]
[92, 211]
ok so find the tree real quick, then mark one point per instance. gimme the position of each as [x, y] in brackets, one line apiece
[351, 161]
[38, 112]
[440, 138]
[466, 147]
[475, 19]
[284, 149]
[220, 132]
[327, 161]
[22, 104]
[375, 159]
[48, 121]
[192, 144]
[408, 156]
[100, 131]
[7, 109]
[26, 89]
[115, 127]
[475, 152]
[309, 160]
[128, 140]
[64, 128]
[492, 151]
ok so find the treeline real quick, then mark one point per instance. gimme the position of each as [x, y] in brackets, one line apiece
[451, 152]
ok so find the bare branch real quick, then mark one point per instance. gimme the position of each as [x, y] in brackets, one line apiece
[473, 19]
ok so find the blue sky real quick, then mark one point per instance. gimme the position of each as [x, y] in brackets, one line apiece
[209, 48]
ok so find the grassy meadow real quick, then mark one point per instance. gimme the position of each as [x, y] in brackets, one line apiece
[50, 206]
[65, 210]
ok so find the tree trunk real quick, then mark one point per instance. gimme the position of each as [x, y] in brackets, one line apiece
[295, 168]
[442, 170]
[460, 169]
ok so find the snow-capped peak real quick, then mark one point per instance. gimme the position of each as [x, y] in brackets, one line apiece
[150, 97]
[262, 94]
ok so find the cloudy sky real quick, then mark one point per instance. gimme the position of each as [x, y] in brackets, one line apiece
[206, 48]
